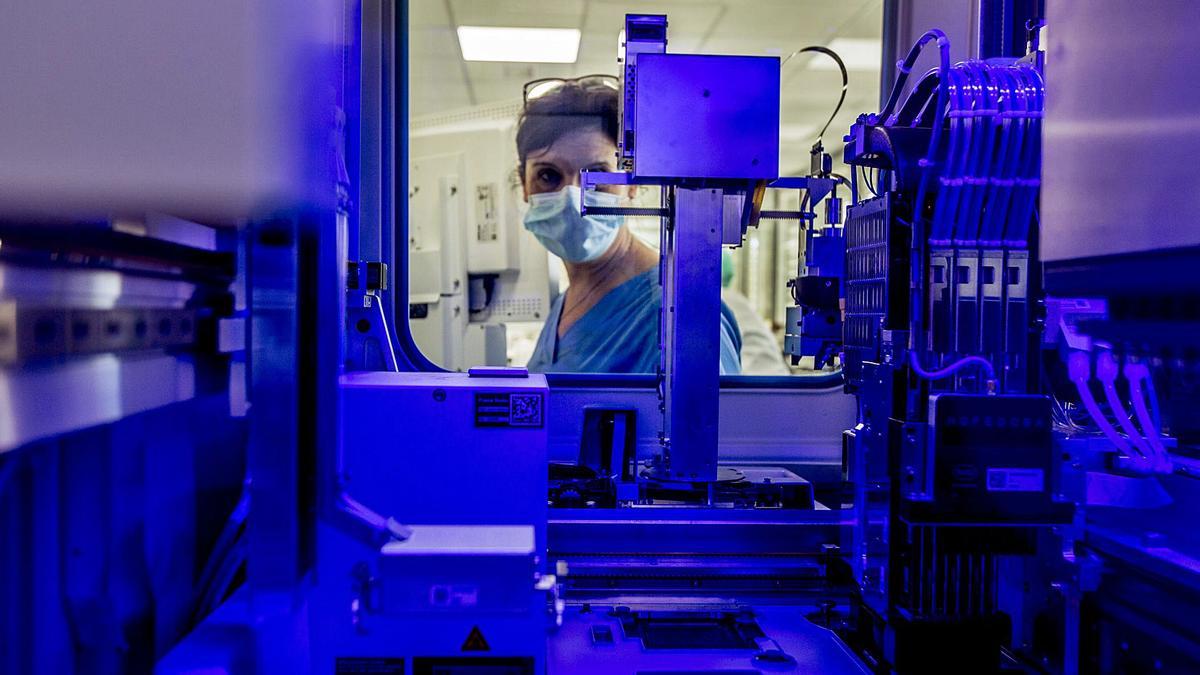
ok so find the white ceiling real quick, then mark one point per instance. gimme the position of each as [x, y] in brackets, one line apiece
[441, 81]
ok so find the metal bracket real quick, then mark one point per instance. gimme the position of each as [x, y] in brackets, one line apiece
[916, 462]
[817, 189]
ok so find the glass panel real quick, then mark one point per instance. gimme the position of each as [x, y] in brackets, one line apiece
[483, 286]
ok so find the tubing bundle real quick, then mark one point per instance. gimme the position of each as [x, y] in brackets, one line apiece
[989, 184]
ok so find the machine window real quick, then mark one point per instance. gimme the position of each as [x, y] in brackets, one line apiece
[496, 144]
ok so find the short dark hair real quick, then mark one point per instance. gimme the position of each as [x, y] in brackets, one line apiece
[568, 108]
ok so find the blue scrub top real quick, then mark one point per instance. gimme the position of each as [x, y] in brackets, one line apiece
[619, 334]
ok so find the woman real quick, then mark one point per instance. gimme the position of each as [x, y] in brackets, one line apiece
[608, 320]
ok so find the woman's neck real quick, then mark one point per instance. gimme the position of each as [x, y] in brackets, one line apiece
[591, 281]
[625, 259]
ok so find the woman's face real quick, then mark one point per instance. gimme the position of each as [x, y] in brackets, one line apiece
[553, 168]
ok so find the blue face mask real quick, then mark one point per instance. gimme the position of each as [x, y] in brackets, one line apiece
[555, 219]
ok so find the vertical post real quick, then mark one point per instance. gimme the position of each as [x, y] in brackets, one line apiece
[371, 131]
[284, 359]
[690, 321]
[890, 51]
[273, 534]
[1001, 29]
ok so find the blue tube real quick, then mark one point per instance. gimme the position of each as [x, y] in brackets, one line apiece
[927, 164]
[1155, 411]
[979, 135]
[951, 178]
[941, 373]
[1137, 373]
[1003, 166]
[905, 67]
[982, 151]
[1029, 176]
[985, 185]
[1106, 372]
[1079, 368]
[1017, 229]
[965, 220]
[1017, 219]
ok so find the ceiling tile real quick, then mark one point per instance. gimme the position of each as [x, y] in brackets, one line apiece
[441, 81]
[531, 13]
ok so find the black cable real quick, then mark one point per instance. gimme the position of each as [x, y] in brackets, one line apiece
[850, 184]
[905, 67]
[845, 79]
[867, 179]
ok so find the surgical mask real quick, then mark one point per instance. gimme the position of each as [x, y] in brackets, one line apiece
[555, 219]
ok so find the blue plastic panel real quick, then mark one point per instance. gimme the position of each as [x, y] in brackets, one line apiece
[707, 117]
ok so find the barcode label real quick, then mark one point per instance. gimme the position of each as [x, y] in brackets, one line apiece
[496, 409]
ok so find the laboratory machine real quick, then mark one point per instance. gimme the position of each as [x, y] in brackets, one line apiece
[224, 446]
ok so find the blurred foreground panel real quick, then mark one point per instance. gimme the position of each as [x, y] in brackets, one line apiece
[214, 111]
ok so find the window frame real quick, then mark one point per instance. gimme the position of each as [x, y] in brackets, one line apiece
[394, 225]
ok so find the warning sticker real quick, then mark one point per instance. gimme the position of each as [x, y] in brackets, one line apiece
[504, 409]
[1015, 480]
[475, 642]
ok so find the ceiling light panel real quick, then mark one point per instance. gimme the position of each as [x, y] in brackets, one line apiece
[518, 45]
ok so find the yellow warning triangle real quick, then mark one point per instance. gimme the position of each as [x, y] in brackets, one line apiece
[475, 642]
